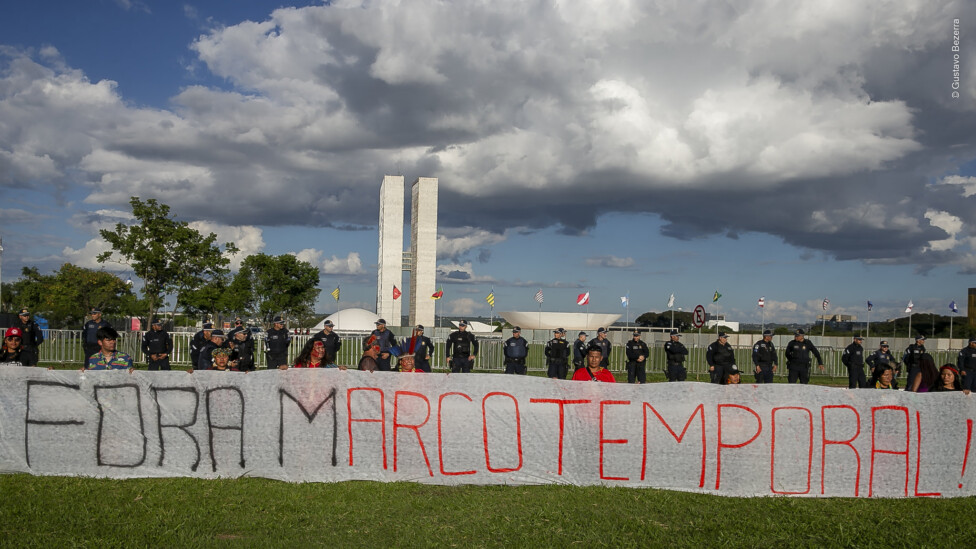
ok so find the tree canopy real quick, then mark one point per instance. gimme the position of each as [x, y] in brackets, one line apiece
[66, 296]
[268, 285]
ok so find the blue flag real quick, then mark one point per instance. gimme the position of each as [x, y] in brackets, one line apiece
[952, 307]
[870, 305]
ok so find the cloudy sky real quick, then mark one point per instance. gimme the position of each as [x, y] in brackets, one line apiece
[795, 151]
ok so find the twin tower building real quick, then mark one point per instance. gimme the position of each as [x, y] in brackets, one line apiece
[421, 258]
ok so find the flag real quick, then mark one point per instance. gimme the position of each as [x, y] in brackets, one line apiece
[490, 298]
[438, 294]
[910, 305]
[396, 293]
[624, 300]
[716, 296]
[671, 301]
[825, 303]
[870, 305]
[538, 296]
[762, 302]
[583, 299]
[952, 307]
[335, 293]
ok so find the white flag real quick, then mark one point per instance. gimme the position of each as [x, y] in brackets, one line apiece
[671, 301]
[910, 305]
[762, 302]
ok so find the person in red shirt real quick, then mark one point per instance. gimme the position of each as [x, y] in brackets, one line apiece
[594, 370]
[407, 365]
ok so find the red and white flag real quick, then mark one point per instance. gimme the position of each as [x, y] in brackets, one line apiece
[825, 303]
[762, 302]
[583, 299]
[910, 306]
[396, 292]
[538, 296]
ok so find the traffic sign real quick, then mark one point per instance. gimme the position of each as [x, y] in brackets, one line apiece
[699, 319]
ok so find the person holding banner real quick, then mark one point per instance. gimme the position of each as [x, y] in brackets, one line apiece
[732, 376]
[949, 379]
[853, 358]
[966, 362]
[594, 370]
[675, 353]
[878, 360]
[13, 349]
[371, 353]
[461, 349]
[107, 358]
[719, 358]
[798, 358]
[637, 353]
[221, 360]
[886, 379]
[557, 355]
[764, 358]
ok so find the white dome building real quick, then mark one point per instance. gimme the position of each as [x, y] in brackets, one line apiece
[351, 320]
[538, 320]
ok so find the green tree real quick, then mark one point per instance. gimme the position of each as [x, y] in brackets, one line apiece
[268, 285]
[168, 255]
[72, 291]
[26, 291]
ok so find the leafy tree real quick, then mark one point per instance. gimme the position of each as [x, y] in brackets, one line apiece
[168, 255]
[269, 285]
[683, 320]
[27, 291]
[72, 291]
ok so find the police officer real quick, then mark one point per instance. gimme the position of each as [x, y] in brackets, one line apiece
[462, 347]
[89, 333]
[557, 355]
[157, 345]
[853, 358]
[637, 353]
[276, 342]
[516, 351]
[238, 327]
[798, 358]
[720, 357]
[423, 348]
[242, 351]
[603, 343]
[878, 360]
[198, 341]
[217, 340]
[579, 351]
[386, 340]
[32, 337]
[910, 359]
[329, 338]
[966, 361]
[764, 358]
[675, 354]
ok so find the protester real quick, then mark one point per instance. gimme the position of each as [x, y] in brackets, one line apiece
[315, 355]
[594, 370]
[927, 376]
[949, 379]
[107, 357]
[371, 352]
[407, 364]
[221, 360]
[732, 376]
[13, 349]
[886, 379]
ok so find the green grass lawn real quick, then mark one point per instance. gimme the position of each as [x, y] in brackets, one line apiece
[64, 512]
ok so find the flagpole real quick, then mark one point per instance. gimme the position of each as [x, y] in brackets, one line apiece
[869, 324]
[763, 325]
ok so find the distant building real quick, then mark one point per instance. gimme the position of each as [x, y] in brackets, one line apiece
[718, 319]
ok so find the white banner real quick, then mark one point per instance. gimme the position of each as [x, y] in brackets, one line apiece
[330, 425]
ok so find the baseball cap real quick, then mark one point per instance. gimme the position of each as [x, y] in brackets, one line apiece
[767, 332]
[23, 312]
[722, 334]
[517, 329]
[601, 331]
[859, 338]
[920, 337]
[884, 342]
[463, 323]
[217, 333]
[278, 320]
[799, 332]
[380, 321]
[636, 332]
[420, 327]
[328, 323]
[675, 333]
[208, 325]
[14, 332]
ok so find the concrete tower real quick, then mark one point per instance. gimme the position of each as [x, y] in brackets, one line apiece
[420, 261]
[423, 250]
[390, 271]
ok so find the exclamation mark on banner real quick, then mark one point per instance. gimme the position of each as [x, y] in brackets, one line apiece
[969, 438]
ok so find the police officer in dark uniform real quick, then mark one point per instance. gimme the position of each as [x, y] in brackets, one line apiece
[198, 341]
[462, 347]
[910, 359]
[242, 354]
[276, 342]
[89, 333]
[516, 351]
[580, 347]
[238, 327]
[423, 348]
[877, 362]
[329, 338]
[217, 339]
[853, 358]
[764, 358]
[637, 353]
[798, 358]
[157, 345]
[966, 362]
[603, 343]
[675, 354]
[720, 357]
[557, 355]
[386, 340]
[32, 338]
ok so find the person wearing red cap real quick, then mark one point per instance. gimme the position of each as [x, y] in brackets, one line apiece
[371, 352]
[13, 349]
